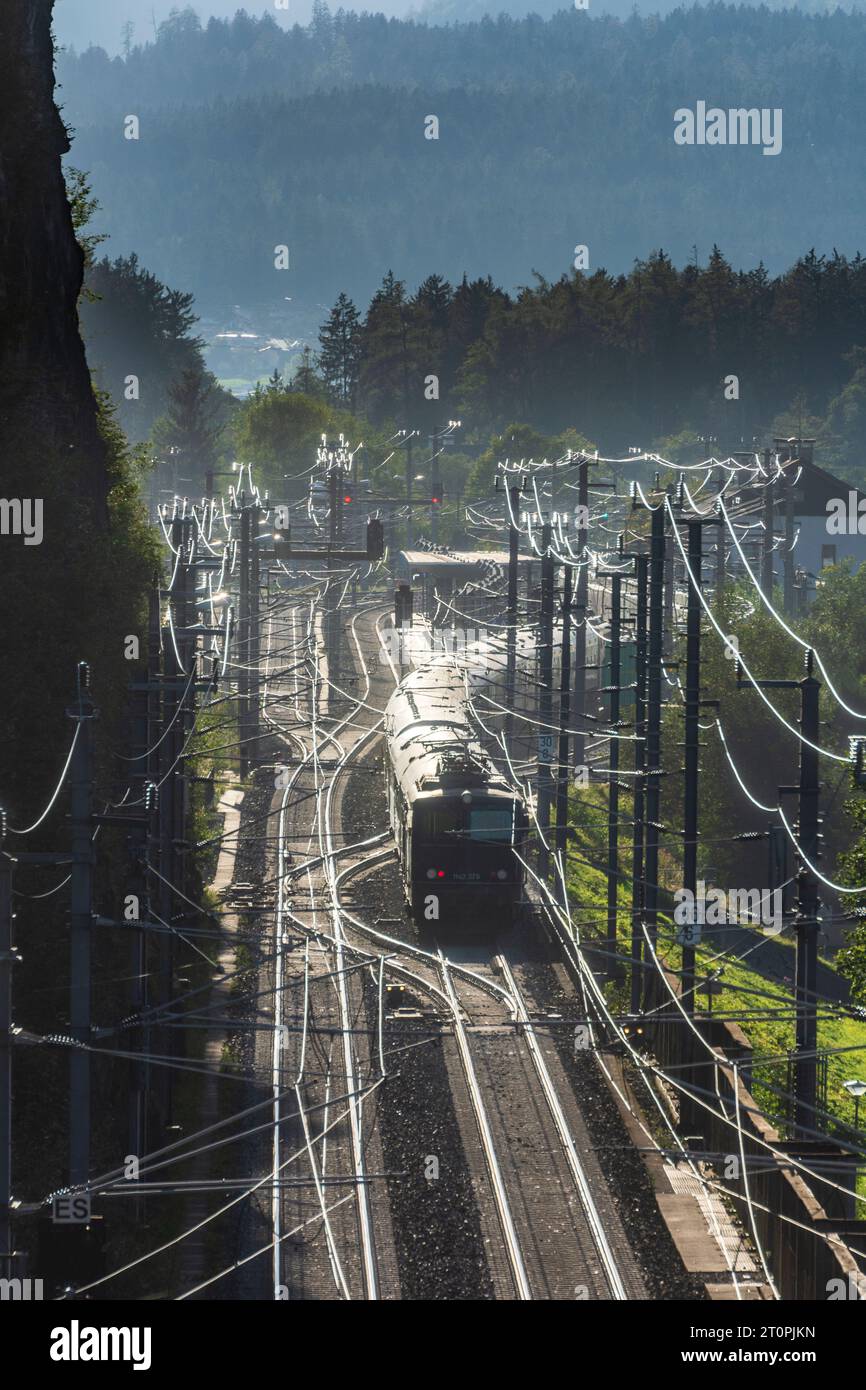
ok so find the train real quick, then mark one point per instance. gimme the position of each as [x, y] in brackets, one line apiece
[458, 824]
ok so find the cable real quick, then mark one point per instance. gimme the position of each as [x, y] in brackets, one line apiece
[30, 828]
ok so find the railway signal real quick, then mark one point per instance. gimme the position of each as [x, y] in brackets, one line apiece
[375, 539]
[403, 605]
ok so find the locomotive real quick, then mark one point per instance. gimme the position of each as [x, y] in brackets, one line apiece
[458, 824]
[460, 827]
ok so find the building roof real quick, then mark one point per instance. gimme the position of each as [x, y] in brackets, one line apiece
[816, 487]
[455, 561]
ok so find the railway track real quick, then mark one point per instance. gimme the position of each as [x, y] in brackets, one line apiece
[570, 1250]
[313, 778]
[550, 1228]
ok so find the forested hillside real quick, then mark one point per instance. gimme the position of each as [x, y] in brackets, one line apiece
[633, 359]
[551, 134]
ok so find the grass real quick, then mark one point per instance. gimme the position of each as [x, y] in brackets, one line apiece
[744, 990]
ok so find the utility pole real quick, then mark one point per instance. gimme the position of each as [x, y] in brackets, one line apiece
[82, 713]
[243, 645]
[186, 695]
[8, 958]
[692, 751]
[581, 609]
[610, 944]
[512, 496]
[563, 768]
[170, 808]
[144, 734]
[807, 905]
[545, 702]
[407, 436]
[439, 441]
[788, 557]
[719, 586]
[670, 594]
[653, 730]
[332, 621]
[255, 636]
[641, 566]
[768, 537]
[409, 479]
[435, 485]
[808, 791]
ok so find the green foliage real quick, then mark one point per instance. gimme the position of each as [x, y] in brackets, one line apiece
[521, 442]
[636, 358]
[83, 206]
[748, 725]
[279, 431]
[193, 426]
[840, 607]
[133, 324]
[341, 352]
[841, 436]
[306, 380]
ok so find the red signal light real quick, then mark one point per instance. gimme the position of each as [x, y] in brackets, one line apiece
[347, 499]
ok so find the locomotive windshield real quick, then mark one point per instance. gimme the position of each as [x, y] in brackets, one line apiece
[487, 823]
[444, 820]
[491, 823]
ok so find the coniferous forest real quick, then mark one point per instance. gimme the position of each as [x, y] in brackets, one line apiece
[552, 134]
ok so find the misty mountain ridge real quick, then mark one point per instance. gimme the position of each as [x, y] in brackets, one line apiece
[80, 24]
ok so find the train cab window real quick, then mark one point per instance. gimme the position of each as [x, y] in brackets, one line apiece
[443, 820]
[491, 823]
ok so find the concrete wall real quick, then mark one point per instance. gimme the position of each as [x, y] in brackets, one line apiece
[813, 535]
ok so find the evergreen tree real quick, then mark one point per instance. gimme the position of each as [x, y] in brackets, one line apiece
[133, 324]
[306, 380]
[190, 432]
[340, 355]
[385, 369]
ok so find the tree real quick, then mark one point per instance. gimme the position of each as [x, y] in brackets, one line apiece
[851, 960]
[385, 368]
[191, 429]
[135, 326]
[306, 380]
[515, 442]
[83, 205]
[842, 434]
[340, 355]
